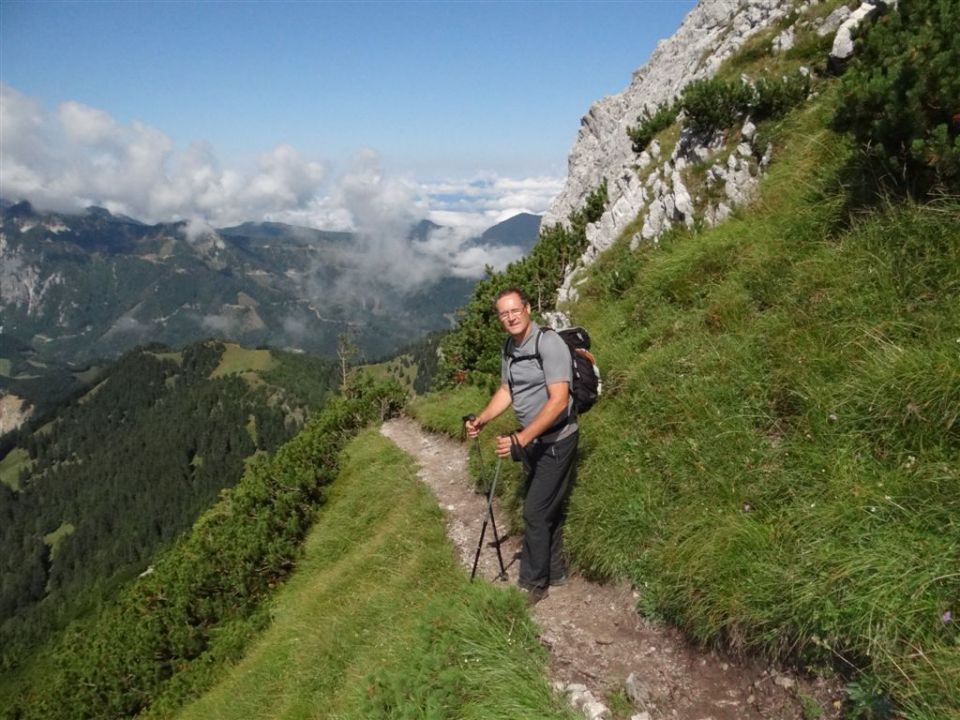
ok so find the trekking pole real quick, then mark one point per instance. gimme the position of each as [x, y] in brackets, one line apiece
[488, 515]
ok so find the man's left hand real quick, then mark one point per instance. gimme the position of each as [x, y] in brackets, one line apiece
[504, 443]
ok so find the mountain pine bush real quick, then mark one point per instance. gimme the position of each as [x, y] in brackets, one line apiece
[715, 104]
[901, 97]
[651, 124]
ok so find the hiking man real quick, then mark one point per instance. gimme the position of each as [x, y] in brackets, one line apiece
[539, 390]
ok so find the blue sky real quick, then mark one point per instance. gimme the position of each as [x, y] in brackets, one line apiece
[309, 112]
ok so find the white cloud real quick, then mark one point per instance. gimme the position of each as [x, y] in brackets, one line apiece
[223, 324]
[490, 199]
[86, 125]
[197, 229]
[79, 156]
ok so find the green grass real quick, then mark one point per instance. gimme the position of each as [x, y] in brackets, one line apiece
[401, 368]
[379, 621]
[53, 539]
[16, 460]
[776, 455]
[237, 360]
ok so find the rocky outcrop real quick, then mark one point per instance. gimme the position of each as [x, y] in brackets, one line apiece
[842, 49]
[22, 283]
[710, 34]
[652, 191]
[14, 411]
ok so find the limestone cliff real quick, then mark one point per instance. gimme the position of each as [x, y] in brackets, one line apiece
[649, 190]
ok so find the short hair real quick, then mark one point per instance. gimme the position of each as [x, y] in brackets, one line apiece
[524, 300]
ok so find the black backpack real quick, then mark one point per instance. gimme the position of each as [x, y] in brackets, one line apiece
[586, 385]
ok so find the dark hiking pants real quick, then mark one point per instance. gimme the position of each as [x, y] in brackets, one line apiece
[552, 469]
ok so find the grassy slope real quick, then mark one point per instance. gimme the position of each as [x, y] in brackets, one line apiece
[777, 453]
[237, 359]
[379, 621]
[11, 465]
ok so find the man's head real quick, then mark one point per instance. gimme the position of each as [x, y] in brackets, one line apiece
[513, 309]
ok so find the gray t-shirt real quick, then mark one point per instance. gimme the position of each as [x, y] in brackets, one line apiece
[529, 382]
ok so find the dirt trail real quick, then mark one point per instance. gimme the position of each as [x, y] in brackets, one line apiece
[598, 643]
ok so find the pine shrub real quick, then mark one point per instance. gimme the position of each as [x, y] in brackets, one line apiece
[901, 97]
[713, 105]
[651, 124]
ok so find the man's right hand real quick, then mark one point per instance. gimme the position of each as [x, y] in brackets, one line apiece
[473, 425]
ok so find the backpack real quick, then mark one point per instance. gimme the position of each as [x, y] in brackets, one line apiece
[586, 385]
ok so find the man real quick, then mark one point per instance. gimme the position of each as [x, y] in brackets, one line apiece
[539, 390]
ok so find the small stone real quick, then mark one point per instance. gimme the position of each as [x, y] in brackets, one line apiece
[784, 41]
[637, 691]
[641, 716]
[785, 682]
[579, 699]
[596, 710]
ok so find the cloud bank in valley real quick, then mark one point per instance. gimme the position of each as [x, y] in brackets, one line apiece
[77, 156]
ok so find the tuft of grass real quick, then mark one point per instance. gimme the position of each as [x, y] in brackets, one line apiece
[379, 621]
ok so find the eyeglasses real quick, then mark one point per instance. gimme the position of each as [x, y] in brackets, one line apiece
[511, 313]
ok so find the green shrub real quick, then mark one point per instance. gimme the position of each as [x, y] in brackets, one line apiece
[651, 124]
[714, 104]
[900, 99]
[775, 98]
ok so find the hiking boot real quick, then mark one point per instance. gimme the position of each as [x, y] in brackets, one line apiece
[534, 594]
[558, 581]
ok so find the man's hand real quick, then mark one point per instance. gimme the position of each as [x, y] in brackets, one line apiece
[504, 443]
[473, 425]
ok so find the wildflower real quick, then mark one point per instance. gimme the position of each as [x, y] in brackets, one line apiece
[947, 617]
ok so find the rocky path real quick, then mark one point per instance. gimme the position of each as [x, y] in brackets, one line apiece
[598, 642]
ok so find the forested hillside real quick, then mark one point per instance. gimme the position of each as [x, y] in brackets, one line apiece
[88, 498]
[168, 633]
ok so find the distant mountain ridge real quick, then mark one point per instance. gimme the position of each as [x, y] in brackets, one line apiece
[76, 287]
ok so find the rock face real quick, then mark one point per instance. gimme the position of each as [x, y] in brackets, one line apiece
[13, 412]
[649, 185]
[710, 34]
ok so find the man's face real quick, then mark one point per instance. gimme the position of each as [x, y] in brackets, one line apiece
[513, 314]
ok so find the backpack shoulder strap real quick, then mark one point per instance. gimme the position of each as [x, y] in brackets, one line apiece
[511, 358]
